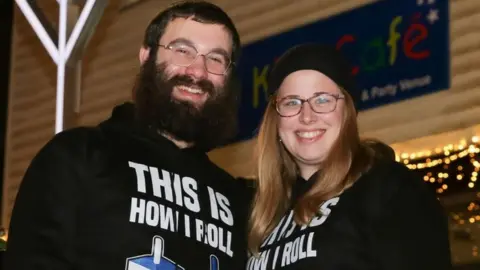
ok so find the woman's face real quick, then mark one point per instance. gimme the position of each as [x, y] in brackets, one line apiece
[309, 129]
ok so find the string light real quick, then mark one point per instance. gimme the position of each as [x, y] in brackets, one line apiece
[457, 162]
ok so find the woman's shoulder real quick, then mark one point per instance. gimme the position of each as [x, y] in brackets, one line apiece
[387, 182]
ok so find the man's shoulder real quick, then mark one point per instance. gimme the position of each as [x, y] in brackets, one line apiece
[74, 141]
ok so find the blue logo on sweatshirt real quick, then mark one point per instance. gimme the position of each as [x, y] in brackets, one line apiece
[157, 261]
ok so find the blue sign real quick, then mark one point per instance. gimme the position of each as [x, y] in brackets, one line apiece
[399, 49]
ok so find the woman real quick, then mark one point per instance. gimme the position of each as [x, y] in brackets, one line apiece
[325, 199]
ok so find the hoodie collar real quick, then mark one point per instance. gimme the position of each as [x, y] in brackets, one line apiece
[123, 119]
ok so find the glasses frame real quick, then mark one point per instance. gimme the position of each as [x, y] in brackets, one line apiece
[169, 47]
[276, 101]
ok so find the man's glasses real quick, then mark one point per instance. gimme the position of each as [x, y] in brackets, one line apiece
[184, 55]
[320, 103]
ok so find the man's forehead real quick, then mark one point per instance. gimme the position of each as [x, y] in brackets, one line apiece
[204, 36]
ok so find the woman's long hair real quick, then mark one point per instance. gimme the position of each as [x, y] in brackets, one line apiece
[276, 173]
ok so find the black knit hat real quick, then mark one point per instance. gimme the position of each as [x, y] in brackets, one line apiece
[319, 57]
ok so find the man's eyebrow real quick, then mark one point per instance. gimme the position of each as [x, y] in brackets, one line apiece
[182, 40]
[188, 42]
[221, 51]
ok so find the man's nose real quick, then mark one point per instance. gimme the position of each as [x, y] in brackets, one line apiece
[198, 69]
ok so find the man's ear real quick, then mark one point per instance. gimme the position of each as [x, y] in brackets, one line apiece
[143, 54]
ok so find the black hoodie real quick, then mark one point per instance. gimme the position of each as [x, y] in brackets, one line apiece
[388, 220]
[117, 196]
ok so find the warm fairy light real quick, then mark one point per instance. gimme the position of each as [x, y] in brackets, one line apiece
[441, 160]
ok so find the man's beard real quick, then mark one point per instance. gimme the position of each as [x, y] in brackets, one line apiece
[206, 126]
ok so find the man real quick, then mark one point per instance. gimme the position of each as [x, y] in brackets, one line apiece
[138, 191]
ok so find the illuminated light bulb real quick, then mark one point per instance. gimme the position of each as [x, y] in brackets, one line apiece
[432, 180]
[446, 153]
[474, 173]
[444, 186]
[474, 179]
[412, 156]
[475, 139]
[471, 185]
[459, 177]
[440, 175]
[456, 217]
[450, 146]
[477, 217]
[405, 161]
[461, 147]
[426, 178]
[461, 222]
[439, 190]
[459, 168]
[471, 220]
[447, 161]
[445, 175]
[404, 155]
[428, 153]
[453, 157]
[397, 158]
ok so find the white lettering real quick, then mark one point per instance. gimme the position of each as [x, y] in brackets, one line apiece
[158, 183]
[152, 216]
[225, 213]
[140, 170]
[324, 212]
[166, 218]
[409, 84]
[187, 226]
[191, 202]
[137, 211]
[177, 187]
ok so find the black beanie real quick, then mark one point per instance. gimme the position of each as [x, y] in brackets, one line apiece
[323, 58]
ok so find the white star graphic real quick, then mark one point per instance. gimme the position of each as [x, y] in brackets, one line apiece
[432, 16]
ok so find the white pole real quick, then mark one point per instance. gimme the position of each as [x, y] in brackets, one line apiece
[61, 54]
[39, 29]
[79, 26]
[62, 37]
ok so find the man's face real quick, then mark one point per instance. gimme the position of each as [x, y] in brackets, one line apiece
[200, 73]
[187, 102]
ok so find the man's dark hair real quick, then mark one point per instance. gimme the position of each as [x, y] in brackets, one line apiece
[200, 11]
